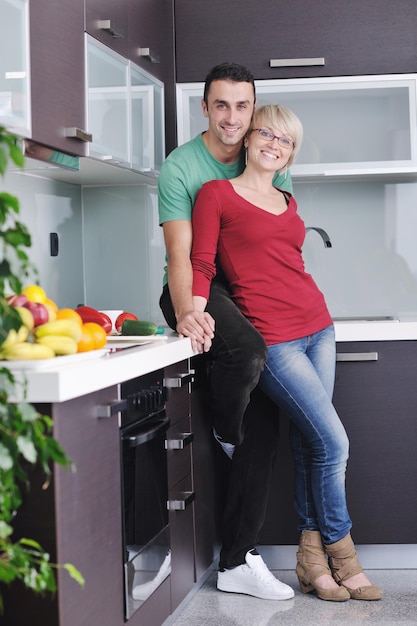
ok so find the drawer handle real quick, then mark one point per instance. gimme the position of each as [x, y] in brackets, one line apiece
[78, 133]
[183, 501]
[107, 410]
[357, 356]
[179, 444]
[179, 381]
[296, 62]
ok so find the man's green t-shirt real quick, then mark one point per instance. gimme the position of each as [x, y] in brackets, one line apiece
[184, 172]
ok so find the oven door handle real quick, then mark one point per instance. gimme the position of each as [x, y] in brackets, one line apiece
[147, 433]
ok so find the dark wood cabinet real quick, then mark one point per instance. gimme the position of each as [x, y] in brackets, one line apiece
[57, 73]
[179, 442]
[210, 468]
[77, 519]
[377, 37]
[377, 402]
[107, 21]
[151, 27]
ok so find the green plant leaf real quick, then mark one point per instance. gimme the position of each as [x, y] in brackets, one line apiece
[27, 449]
[6, 460]
[74, 573]
[16, 155]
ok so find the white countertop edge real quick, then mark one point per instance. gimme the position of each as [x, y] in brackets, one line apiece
[62, 383]
[376, 331]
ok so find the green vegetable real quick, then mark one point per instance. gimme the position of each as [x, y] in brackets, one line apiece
[139, 327]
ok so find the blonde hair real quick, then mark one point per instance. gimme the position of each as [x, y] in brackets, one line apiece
[278, 116]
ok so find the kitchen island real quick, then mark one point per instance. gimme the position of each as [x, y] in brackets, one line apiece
[78, 518]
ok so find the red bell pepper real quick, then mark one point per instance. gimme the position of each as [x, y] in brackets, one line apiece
[88, 314]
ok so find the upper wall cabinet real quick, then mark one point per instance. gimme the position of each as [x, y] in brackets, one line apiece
[57, 75]
[14, 67]
[364, 125]
[107, 21]
[281, 39]
[125, 111]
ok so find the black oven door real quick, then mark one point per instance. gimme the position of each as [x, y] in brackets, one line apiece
[147, 557]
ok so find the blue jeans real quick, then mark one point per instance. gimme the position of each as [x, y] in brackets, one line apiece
[299, 377]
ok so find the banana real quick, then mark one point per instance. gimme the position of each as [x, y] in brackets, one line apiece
[24, 351]
[60, 344]
[15, 337]
[67, 328]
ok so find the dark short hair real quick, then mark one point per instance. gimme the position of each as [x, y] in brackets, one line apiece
[228, 71]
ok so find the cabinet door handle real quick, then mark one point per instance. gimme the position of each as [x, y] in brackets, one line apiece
[107, 410]
[182, 501]
[180, 380]
[78, 133]
[107, 26]
[357, 356]
[179, 444]
[149, 54]
[296, 62]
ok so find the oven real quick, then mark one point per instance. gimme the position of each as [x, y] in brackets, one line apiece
[146, 541]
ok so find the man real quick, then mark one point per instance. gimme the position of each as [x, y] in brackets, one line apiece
[247, 431]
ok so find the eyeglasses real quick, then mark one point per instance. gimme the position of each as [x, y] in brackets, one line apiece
[284, 142]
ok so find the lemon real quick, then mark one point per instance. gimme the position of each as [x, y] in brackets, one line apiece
[34, 293]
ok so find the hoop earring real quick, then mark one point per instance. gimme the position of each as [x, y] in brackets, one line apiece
[246, 156]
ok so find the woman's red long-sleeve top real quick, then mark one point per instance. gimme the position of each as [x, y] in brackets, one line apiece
[261, 257]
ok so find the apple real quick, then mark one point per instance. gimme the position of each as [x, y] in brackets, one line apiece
[17, 300]
[27, 317]
[39, 312]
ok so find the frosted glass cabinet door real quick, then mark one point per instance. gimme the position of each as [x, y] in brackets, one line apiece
[352, 125]
[108, 105]
[147, 114]
[15, 112]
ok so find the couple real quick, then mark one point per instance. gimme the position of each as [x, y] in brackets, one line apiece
[271, 326]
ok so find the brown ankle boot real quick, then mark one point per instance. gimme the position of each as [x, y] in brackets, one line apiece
[312, 563]
[344, 564]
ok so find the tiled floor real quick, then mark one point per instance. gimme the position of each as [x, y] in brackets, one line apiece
[210, 607]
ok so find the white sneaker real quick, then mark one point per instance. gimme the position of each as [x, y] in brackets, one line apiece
[253, 579]
[228, 448]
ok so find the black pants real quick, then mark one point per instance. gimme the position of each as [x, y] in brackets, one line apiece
[241, 415]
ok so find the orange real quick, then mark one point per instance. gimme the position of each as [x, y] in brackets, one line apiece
[86, 343]
[69, 314]
[93, 337]
[34, 293]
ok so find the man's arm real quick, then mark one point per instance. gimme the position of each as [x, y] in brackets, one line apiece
[198, 325]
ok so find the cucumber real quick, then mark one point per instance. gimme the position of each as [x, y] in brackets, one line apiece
[139, 327]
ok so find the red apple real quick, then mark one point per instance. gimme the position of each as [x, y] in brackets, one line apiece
[39, 312]
[17, 300]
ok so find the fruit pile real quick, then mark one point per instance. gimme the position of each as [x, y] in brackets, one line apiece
[48, 331]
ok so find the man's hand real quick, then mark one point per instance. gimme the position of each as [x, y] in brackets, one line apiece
[199, 327]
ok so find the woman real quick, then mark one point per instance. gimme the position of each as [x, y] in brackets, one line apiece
[256, 234]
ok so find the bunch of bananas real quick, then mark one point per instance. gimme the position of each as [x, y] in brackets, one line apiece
[61, 336]
[51, 339]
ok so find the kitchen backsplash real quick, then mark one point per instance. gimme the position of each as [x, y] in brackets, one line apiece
[48, 206]
[371, 268]
[123, 249]
[111, 249]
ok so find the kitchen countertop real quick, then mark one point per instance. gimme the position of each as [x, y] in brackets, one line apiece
[65, 378]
